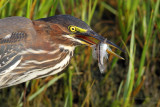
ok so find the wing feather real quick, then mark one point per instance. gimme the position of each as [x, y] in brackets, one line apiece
[16, 24]
[13, 33]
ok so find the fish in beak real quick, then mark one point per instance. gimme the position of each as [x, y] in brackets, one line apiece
[100, 47]
[91, 38]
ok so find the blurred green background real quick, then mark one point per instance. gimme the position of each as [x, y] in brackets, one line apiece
[132, 24]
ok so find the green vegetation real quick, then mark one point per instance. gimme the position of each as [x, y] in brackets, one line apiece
[132, 24]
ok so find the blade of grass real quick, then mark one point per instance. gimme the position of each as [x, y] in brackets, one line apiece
[70, 88]
[88, 94]
[147, 41]
[119, 90]
[51, 82]
[109, 8]
[120, 19]
[20, 103]
[22, 8]
[54, 7]
[3, 3]
[62, 7]
[84, 6]
[72, 7]
[4, 8]
[43, 8]
[29, 4]
[131, 8]
[91, 12]
[66, 101]
[130, 76]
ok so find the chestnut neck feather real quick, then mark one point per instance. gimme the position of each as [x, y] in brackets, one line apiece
[49, 33]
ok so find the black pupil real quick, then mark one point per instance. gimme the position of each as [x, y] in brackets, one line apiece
[72, 28]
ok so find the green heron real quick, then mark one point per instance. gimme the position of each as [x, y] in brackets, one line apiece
[39, 48]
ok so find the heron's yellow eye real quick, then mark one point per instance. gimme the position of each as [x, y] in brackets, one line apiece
[72, 28]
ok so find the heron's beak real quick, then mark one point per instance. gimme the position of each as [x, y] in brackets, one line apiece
[90, 38]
